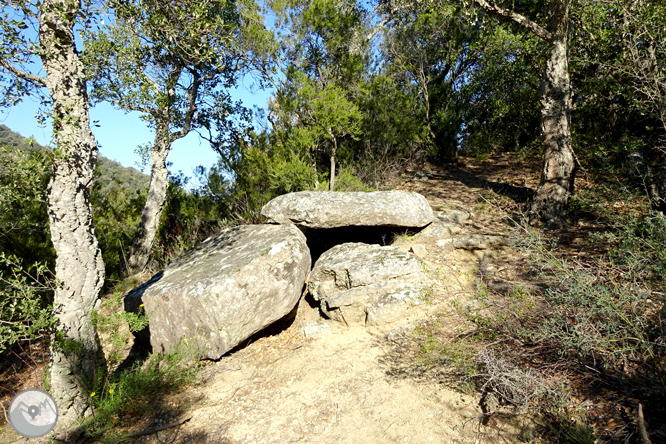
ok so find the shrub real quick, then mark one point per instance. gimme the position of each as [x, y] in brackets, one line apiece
[139, 392]
[600, 321]
[25, 301]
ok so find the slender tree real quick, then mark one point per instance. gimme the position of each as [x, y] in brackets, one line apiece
[172, 63]
[322, 116]
[323, 61]
[559, 163]
[44, 31]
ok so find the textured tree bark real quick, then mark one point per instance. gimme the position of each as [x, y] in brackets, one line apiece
[152, 210]
[331, 183]
[557, 176]
[79, 268]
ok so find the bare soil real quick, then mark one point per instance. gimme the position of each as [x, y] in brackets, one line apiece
[342, 386]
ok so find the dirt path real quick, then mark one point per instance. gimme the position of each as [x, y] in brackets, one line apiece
[335, 387]
[345, 385]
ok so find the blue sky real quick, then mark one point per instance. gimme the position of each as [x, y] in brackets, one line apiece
[119, 133]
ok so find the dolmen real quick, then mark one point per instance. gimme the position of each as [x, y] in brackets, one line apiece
[243, 279]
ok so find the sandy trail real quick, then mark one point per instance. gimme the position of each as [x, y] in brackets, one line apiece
[336, 387]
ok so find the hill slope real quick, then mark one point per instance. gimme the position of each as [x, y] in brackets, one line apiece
[110, 172]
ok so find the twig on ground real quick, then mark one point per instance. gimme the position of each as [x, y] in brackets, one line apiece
[645, 438]
[151, 431]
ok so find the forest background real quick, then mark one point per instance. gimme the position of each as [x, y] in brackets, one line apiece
[360, 89]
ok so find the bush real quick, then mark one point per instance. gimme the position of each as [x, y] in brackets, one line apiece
[606, 312]
[116, 215]
[26, 252]
[26, 295]
[134, 394]
[597, 331]
[346, 180]
[24, 228]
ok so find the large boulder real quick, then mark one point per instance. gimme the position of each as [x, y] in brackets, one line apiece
[325, 209]
[361, 284]
[224, 290]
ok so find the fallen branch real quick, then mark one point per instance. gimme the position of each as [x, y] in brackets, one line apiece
[151, 431]
[66, 436]
[645, 438]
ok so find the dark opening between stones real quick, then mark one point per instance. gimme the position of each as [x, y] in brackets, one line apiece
[320, 240]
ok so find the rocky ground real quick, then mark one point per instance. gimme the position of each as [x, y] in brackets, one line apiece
[315, 381]
[320, 382]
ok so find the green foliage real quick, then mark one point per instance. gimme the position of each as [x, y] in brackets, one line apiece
[347, 181]
[261, 176]
[10, 138]
[638, 246]
[116, 213]
[316, 118]
[139, 392]
[188, 218]
[116, 326]
[23, 219]
[119, 396]
[175, 63]
[502, 94]
[26, 295]
[604, 312]
[392, 120]
[428, 52]
[110, 174]
[26, 252]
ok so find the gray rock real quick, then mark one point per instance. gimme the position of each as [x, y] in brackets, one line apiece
[360, 284]
[439, 230]
[444, 242]
[419, 250]
[316, 330]
[480, 242]
[453, 216]
[421, 176]
[224, 290]
[324, 209]
[400, 335]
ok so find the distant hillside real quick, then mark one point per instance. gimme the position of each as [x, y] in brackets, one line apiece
[15, 140]
[111, 173]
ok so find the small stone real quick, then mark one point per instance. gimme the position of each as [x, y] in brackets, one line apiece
[419, 250]
[453, 216]
[443, 242]
[480, 242]
[316, 330]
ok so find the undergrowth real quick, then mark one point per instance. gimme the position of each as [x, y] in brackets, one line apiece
[133, 395]
[125, 394]
[596, 333]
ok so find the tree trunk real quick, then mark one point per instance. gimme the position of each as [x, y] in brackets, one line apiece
[331, 184]
[557, 176]
[152, 211]
[75, 349]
